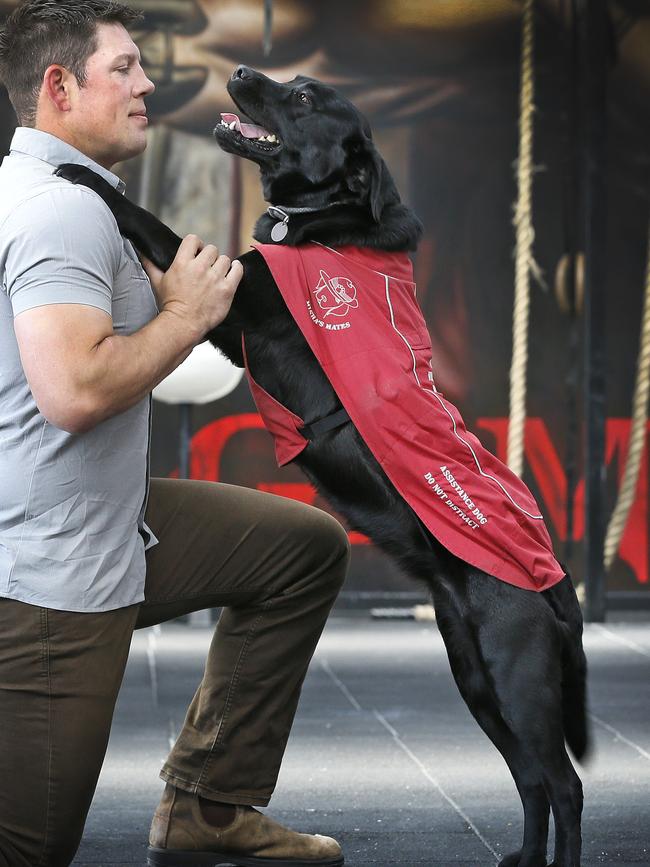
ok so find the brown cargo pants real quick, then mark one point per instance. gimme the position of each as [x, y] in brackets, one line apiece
[273, 564]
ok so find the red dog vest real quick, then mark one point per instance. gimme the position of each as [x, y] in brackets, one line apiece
[357, 310]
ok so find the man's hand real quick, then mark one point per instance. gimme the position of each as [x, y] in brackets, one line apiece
[198, 287]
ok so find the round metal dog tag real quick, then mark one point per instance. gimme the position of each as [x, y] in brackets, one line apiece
[279, 231]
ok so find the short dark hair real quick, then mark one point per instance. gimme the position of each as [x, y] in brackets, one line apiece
[39, 33]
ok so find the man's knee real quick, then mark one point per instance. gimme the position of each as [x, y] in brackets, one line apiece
[331, 549]
[341, 547]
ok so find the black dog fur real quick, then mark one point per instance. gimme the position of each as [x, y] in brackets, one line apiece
[516, 655]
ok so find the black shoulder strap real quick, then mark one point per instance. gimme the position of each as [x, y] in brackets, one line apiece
[322, 425]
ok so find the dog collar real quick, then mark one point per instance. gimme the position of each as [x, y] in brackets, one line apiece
[280, 229]
[282, 214]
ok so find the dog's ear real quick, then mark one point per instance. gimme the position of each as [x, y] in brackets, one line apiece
[366, 176]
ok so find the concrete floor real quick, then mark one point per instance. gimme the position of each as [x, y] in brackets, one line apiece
[384, 755]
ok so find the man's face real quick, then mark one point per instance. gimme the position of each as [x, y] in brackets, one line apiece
[107, 120]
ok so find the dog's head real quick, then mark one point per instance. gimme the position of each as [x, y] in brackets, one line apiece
[312, 145]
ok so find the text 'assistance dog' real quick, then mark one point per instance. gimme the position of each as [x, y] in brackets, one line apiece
[339, 362]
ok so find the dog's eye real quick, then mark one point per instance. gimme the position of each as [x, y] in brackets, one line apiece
[304, 97]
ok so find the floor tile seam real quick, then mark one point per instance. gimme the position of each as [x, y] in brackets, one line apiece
[152, 643]
[418, 763]
[619, 735]
[452, 803]
[619, 639]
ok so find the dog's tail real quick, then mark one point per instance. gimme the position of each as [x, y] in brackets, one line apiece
[564, 602]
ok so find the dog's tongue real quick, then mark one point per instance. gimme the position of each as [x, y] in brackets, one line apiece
[248, 130]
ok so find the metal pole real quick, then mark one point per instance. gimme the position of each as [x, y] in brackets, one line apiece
[204, 616]
[573, 244]
[185, 439]
[594, 42]
[268, 27]
[234, 243]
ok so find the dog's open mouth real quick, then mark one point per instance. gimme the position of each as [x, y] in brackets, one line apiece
[255, 135]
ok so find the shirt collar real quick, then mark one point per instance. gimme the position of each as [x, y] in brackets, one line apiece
[52, 150]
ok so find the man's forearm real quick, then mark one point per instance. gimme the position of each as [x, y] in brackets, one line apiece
[122, 370]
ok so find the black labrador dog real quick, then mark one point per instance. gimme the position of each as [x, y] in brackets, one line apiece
[516, 655]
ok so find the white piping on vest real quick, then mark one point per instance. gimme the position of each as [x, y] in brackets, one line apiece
[392, 321]
[434, 393]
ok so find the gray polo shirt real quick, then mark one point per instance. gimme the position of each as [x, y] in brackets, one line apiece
[72, 531]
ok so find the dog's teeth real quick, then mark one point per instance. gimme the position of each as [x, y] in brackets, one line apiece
[272, 138]
[232, 125]
[262, 138]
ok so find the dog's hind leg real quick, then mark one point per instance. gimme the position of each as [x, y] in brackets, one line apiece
[469, 673]
[561, 784]
[520, 644]
[526, 674]
[525, 772]
[564, 790]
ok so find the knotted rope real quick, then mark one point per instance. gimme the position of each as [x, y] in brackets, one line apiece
[524, 261]
[627, 492]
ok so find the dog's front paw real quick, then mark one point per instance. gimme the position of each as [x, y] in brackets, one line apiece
[77, 174]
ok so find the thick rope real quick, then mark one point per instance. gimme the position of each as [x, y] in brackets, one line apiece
[524, 246]
[627, 492]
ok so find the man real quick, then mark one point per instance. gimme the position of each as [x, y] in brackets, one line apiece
[88, 549]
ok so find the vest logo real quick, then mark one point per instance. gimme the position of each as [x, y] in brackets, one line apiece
[336, 296]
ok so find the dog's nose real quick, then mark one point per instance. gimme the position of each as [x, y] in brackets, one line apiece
[242, 72]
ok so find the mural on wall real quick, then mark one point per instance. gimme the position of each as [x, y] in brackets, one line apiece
[439, 83]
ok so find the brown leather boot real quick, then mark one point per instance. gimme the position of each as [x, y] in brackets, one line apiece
[180, 837]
